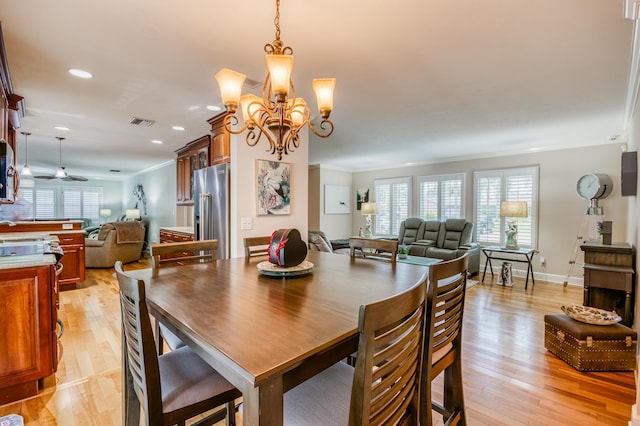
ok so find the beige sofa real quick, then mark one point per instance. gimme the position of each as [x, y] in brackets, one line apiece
[116, 241]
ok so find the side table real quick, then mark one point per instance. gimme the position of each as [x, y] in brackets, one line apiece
[498, 253]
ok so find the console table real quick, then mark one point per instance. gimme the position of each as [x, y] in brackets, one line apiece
[498, 253]
[609, 283]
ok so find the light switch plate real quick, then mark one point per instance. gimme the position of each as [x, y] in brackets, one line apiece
[245, 223]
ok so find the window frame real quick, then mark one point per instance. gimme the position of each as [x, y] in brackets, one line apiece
[393, 222]
[439, 180]
[532, 204]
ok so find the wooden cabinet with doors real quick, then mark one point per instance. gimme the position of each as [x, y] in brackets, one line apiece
[192, 156]
[28, 299]
[176, 235]
[73, 261]
[220, 140]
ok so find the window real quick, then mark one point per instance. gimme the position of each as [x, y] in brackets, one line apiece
[441, 197]
[62, 202]
[494, 186]
[393, 198]
[81, 203]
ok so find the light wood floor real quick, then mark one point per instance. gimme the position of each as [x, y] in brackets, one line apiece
[509, 378]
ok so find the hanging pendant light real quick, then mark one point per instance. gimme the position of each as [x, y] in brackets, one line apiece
[26, 170]
[60, 172]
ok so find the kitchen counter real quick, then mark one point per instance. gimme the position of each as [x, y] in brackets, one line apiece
[28, 260]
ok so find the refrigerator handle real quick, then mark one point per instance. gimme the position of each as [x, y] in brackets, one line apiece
[205, 230]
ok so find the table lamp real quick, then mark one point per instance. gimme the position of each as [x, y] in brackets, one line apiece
[513, 209]
[104, 213]
[132, 214]
[368, 209]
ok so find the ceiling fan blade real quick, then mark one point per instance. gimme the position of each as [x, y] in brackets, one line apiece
[45, 177]
[76, 178]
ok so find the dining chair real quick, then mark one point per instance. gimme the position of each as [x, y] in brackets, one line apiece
[384, 249]
[256, 246]
[178, 253]
[443, 341]
[382, 389]
[172, 387]
[184, 252]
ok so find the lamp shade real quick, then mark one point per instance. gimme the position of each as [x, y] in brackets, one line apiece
[251, 105]
[368, 208]
[105, 212]
[280, 67]
[323, 87]
[132, 213]
[230, 83]
[513, 209]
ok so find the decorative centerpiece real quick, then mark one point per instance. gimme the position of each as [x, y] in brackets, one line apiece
[287, 252]
[403, 251]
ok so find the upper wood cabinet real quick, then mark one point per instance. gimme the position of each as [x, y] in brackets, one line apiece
[192, 156]
[220, 140]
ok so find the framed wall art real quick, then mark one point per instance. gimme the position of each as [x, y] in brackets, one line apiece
[273, 180]
[362, 196]
[336, 199]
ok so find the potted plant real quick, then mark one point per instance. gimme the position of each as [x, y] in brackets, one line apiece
[403, 250]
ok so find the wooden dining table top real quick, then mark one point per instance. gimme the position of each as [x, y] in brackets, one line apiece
[257, 327]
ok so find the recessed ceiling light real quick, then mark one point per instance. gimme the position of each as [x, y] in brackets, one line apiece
[66, 129]
[178, 128]
[80, 73]
[214, 108]
[194, 108]
[156, 141]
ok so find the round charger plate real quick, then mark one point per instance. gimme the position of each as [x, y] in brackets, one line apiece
[269, 269]
[590, 315]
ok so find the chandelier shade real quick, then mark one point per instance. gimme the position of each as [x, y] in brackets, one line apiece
[278, 115]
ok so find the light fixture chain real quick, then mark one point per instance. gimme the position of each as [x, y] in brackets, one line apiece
[277, 20]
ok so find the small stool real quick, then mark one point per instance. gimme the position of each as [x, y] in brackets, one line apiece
[505, 275]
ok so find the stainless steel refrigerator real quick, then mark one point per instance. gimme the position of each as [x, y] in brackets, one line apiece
[211, 206]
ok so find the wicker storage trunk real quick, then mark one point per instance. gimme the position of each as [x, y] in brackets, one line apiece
[589, 347]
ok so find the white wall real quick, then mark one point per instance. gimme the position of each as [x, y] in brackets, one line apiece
[243, 191]
[335, 226]
[560, 209]
[159, 186]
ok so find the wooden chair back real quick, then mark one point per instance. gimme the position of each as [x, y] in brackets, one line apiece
[384, 249]
[139, 345]
[387, 373]
[184, 252]
[256, 246]
[443, 340]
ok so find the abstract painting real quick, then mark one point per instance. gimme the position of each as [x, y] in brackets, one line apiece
[273, 180]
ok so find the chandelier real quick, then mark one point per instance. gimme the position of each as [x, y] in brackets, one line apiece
[279, 114]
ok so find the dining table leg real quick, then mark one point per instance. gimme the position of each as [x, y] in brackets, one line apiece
[263, 405]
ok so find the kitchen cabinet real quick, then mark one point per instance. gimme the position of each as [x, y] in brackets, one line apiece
[220, 140]
[176, 235]
[192, 156]
[73, 261]
[28, 300]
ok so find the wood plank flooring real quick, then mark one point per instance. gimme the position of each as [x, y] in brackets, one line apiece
[509, 378]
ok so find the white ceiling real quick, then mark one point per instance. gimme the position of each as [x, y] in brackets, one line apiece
[418, 81]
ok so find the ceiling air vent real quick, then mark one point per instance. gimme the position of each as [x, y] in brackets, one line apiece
[136, 121]
[252, 84]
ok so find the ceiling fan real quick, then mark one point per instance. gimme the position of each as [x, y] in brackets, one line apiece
[61, 173]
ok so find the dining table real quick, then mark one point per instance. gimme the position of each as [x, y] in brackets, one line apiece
[267, 332]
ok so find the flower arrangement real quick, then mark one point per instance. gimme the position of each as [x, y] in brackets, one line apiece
[403, 250]
[599, 226]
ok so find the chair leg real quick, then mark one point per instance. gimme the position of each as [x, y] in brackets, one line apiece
[454, 394]
[231, 414]
[426, 408]
[159, 340]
